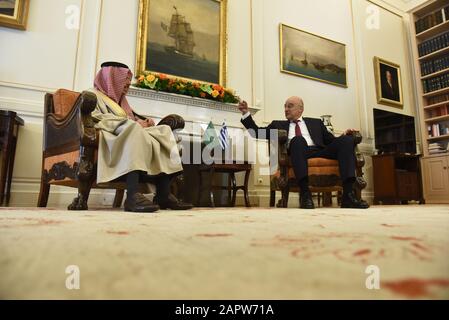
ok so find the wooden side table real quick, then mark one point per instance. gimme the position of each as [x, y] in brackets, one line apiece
[9, 131]
[231, 169]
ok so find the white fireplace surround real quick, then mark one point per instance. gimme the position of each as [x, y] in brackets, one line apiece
[194, 110]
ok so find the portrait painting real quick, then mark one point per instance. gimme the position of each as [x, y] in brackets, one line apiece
[388, 82]
[14, 13]
[311, 56]
[183, 38]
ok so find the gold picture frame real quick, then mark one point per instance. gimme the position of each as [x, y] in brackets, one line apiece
[388, 83]
[14, 13]
[198, 53]
[311, 56]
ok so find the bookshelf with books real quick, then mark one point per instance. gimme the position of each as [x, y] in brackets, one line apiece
[430, 41]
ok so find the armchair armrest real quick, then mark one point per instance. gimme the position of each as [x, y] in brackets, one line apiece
[174, 121]
[357, 137]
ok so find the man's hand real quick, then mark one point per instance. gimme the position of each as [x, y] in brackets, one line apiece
[148, 122]
[350, 132]
[243, 107]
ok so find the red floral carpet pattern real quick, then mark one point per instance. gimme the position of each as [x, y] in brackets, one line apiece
[237, 253]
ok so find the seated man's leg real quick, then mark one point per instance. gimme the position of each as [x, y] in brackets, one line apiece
[164, 198]
[298, 151]
[136, 201]
[342, 149]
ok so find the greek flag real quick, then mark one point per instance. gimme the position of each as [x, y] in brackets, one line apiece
[224, 137]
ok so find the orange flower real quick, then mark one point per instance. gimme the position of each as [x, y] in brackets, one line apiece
[141, 78]
[202, 94]
[217, 87]
[162, 76]
[215, 93]
[196, 84]
[151, 78]
[222, 94]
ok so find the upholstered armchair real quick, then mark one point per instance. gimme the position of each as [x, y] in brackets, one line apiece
[324, 176]
[70, 145]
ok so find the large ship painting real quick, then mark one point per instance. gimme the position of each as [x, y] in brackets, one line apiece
[181, 31]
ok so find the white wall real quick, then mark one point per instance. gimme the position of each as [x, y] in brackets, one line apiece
[49, 56]
[319, 98]
[394, 48]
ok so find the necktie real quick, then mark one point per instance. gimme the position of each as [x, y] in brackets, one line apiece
[297, 128]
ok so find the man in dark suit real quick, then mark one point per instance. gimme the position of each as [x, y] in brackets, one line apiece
[309, 138]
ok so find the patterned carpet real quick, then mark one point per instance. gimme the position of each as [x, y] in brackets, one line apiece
[256, 253]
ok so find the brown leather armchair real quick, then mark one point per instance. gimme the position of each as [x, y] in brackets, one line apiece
[70, 146]
[324, 176]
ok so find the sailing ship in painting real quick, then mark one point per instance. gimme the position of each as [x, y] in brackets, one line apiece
[313, 66]
[181, 51]
[181, 31]
[318, 66]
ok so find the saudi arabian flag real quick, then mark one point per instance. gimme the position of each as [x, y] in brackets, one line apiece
[210, 137]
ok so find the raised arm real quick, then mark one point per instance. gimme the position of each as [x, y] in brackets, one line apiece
[247, 120]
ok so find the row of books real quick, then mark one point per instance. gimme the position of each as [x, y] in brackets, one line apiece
[432, 66]
[436, 83]
[438, 112]
[434, 44]
[429, 21]
[437, 147]
[437, 99]
[438, 129]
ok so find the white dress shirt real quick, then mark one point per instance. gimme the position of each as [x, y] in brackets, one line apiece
[304, 131]
[292, 130]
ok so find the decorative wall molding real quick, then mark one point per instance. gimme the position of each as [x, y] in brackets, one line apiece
[26, 108]
[26, 87]
[185, 100]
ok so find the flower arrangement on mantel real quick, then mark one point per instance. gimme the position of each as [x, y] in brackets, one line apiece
[161, 82]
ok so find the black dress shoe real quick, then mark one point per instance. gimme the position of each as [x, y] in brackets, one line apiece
[173, 203]
[306, 201]
[350, 201]
[139, 203]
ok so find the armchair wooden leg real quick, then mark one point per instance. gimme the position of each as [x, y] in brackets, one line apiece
[43, 194]
[118, 199]
[272, 197]
[44, 189]
[285, 193]
[80, 202]
[86, 176]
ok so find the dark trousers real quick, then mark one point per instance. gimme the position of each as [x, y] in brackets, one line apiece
[162, 182]
[341, 149]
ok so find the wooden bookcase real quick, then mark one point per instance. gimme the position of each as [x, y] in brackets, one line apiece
[394, 132]
[430, 46]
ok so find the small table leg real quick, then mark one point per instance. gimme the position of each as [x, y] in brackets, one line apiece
[200, 188]
[245, 188]
[234, 188]
[212, 202]
[5, 161]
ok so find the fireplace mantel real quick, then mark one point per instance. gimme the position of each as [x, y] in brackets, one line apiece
[185, 100]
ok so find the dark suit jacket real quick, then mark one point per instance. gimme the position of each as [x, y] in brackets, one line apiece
[318, 132]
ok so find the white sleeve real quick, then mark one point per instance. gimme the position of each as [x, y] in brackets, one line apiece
[246, 115]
